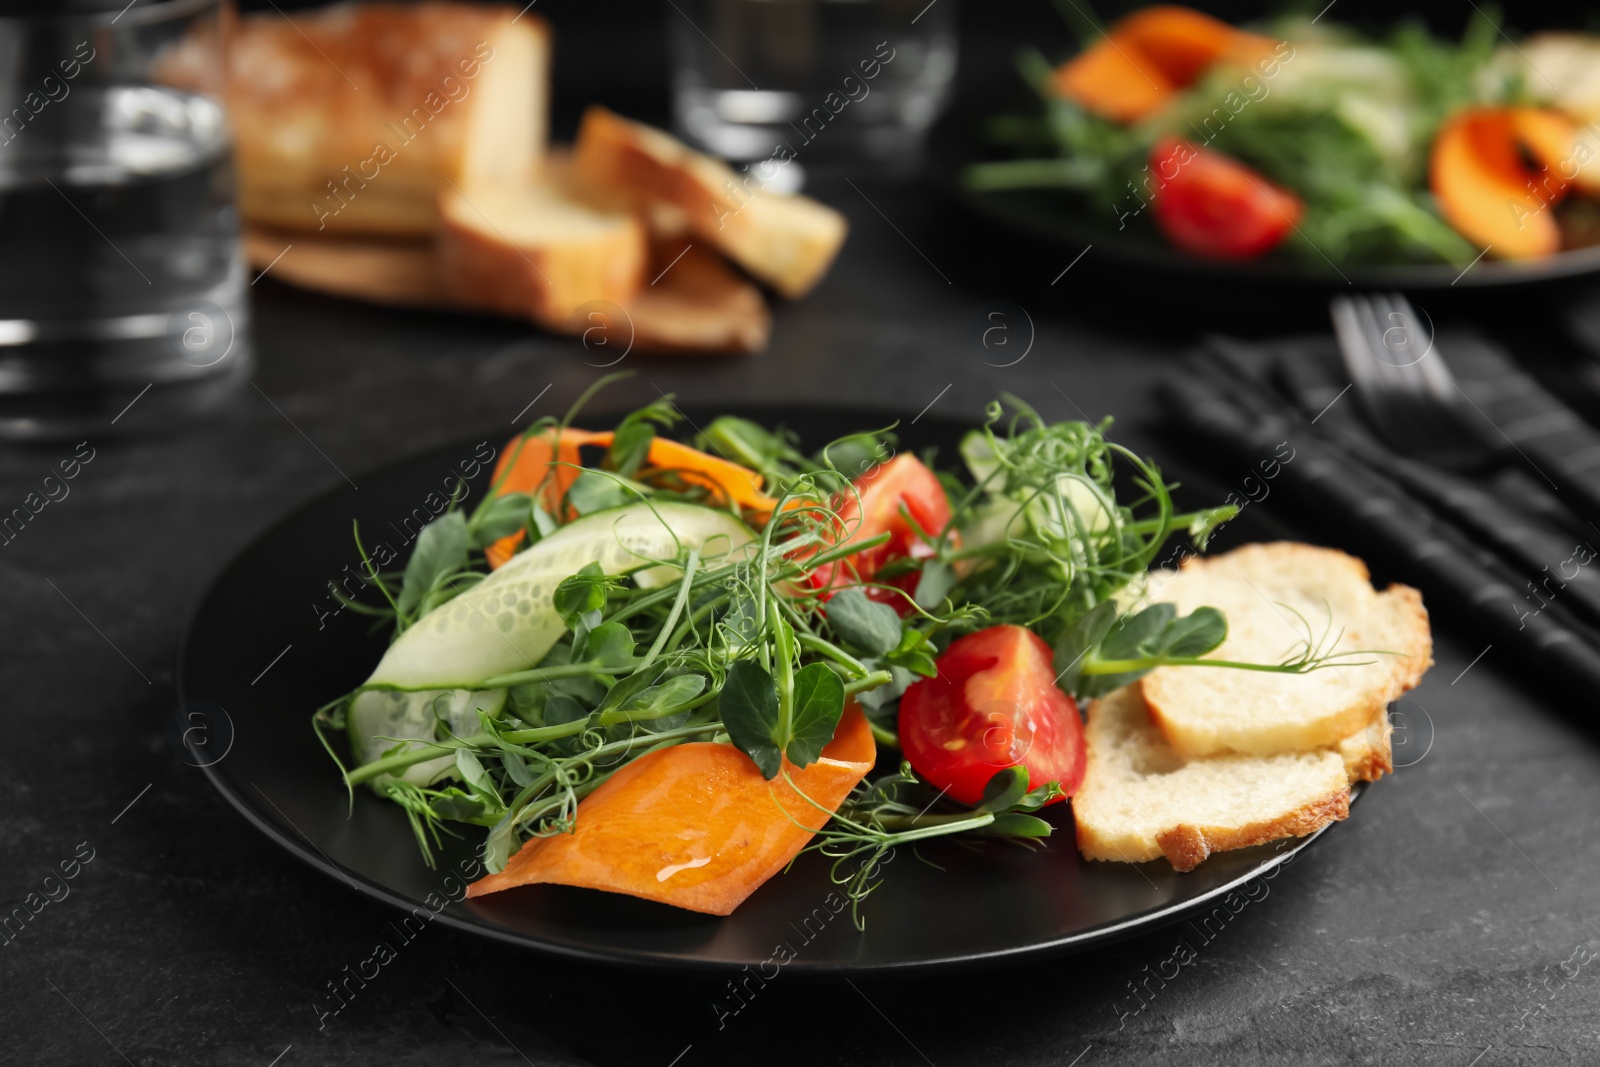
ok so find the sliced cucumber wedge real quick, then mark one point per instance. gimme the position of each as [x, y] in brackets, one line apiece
[507, 622]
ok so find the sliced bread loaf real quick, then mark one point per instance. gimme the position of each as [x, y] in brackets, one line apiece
[1141, 800]
[786, 241]
[530, 249]
[1276, 597]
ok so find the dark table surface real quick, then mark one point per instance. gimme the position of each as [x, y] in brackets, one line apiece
[1451, 921]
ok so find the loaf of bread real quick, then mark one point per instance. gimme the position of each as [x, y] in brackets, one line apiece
[1276, 597]
[352, 119]
[786, 241]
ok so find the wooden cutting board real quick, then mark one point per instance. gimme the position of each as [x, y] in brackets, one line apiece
[696, 304]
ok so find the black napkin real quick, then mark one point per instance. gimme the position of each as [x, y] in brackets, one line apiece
[1504, 551]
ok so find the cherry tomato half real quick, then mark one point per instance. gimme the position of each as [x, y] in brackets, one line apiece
[1213, 206]
[873, 509]
[993, 705]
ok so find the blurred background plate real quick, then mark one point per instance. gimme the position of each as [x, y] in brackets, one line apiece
[989, 906]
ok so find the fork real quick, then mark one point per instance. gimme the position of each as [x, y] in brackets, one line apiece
[1411, 399]
[1415, 406]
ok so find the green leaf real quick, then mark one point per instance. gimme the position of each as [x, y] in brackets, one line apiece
[1016, 824]
[561, 709]
[872, 627]
[441, 550]
[592, 491]
[914, 653]
[1079, 641]
[818, 703]
[629, 447]
[749, 707]
[609, 645]
[1005, 789]
[500, 843]
[1195, 634]
[502, 518]
[937, 580]
[665, 706]
[1139, 635]
[583, 593]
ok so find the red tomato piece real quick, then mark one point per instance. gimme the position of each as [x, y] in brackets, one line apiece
[1215, 207]
[873, 509]
[993, 705]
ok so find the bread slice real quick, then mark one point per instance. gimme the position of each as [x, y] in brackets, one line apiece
[1140, 800]
[1270, 594]
[786, 241]
[530, 249]
[696, 304]
[351, 119]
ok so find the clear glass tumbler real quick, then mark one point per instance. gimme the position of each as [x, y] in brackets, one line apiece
[122, 288]
[818, 80]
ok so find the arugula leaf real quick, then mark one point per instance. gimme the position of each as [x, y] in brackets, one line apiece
[503, 517]
[440, 551]
[872, 627]
[818, 703]
[1195, 634]
[749, 707]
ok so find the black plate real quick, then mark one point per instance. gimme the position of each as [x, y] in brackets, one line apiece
[265, 647]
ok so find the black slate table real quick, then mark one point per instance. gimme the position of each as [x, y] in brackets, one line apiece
[1453, 920]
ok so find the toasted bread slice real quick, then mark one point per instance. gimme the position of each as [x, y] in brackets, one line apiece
[530, 249]
[395, 273]
[349, 120]
[1140, 800]
[786, 241]
[1271, 594]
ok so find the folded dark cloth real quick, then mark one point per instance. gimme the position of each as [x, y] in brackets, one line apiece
[1501, 551]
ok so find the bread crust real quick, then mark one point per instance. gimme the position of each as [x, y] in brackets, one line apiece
[1187, 846]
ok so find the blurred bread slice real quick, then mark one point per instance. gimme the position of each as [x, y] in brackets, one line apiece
[1140, 800]
[395, 273]
[1270, 594]
[696, 304]
[786, 241]
[350, 119]
[530, 249]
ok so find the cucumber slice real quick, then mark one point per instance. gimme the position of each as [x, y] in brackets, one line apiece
[380, 717]
[507, 622]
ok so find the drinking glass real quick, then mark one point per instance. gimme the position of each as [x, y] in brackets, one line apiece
[122, 288]
[815, 80]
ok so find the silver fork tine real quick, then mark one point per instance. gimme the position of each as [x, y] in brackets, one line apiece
[1432, 366]
[1354, 347]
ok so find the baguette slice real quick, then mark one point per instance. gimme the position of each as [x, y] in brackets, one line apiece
[1270, 593]
[529, 249]
[349, 120]
[786, 241]
[1141, 800]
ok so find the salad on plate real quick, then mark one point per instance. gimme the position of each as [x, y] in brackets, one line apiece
[664, 669]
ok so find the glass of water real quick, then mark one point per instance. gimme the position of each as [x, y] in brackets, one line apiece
[810, 80]
[122, 288]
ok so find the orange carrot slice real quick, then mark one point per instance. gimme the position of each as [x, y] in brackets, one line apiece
[694, 826]
[1485, 189]
[530, 467]
[1148, 56]
[1184, 43]
[1114, 80]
